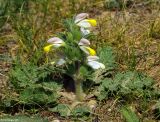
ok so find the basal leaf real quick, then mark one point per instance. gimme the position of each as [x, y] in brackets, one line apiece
[129, 115]
[62, 109]
[107, 57]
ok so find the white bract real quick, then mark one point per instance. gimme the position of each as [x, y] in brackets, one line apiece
[80, 17]
[84, 42]
[85, 31]
[56, 42]
[92, 58]
[93, 62]
[61, 62]
[84, 24]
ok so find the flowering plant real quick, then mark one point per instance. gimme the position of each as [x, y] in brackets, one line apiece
[71, 50]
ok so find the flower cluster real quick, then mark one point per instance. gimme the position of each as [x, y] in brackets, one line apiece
[92, 59]
[54, 42]
[85, 25]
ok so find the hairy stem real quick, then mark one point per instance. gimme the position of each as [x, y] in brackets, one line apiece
[79, 90]
[78, 82]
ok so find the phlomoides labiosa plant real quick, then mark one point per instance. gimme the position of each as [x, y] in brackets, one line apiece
[71, 50]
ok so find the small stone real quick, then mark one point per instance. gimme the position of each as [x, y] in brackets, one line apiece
[109, 110]
[92, 104]
[56, 120]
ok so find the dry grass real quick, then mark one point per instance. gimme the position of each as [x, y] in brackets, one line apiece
[130, 32]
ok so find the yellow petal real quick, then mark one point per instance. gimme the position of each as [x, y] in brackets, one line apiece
[52, 63]
[92, 52]
[93, 22]
[47, 48]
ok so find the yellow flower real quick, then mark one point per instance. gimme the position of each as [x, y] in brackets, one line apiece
[54, 42]
[47, 48]
[87, 23]
[93, 22]
[92, 52]
[88, 50]
[82, 19]
[52, 63]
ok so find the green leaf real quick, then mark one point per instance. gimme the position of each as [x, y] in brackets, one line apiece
[111, 4]
[21, 118]
[107, 57]
[37, 96]
[51, 85]
[23, 75]
[103, 95]
[81, 111]
[130, 82]
[62, 109]
[129, 115]
[83, 72]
